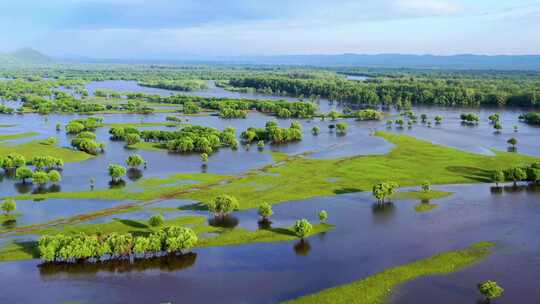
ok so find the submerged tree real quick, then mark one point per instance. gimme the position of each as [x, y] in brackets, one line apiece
[512, 141]
[315, 130]
[265, 211]
[426, 186]
[383, 190]
[490, 290]
[9, 205]
[323, 216]
[223, 205]
[134, 160]
[302, 228]
[498, 177]
[23, 173]
[116, 172]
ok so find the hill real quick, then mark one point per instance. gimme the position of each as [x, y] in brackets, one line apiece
[24, 56]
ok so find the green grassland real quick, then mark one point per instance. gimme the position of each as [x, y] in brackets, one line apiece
[17, 135]
[40, 148]
[410, 163]
[376, 288]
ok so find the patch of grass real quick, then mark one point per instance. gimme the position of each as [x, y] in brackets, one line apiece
[17, 135]
[243, 236]
[17, 251]
[376, 288]
[149, 146]
[145, 189]
[39, 148]
[411, 162]
[420, 195]
[424, 207]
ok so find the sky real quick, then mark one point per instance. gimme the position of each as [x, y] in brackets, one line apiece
[159, 29]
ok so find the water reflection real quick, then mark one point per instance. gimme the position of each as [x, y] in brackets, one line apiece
[134, 174]
[302, 248]
[226, 221]
[120, 183]
[166, 263]
[264, 224]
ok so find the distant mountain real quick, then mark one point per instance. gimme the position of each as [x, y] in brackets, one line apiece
[466, 61]
[24, 56]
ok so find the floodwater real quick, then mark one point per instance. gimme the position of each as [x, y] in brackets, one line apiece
[367, 239]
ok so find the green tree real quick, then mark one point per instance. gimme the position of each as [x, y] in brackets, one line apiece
[323, 216]
[55, 176]
[498, 177]
[498, 127]
[179, 238]
[341, 128]
[134, 160]
[40, 177]
[265, 211]
[512, 141]
[516, 175]
[156, 220]
[383, 190]
[426, 186]
[23, 173]
[132, 139]
[302, 228]
[116, 172]
[223, 205]
[490, 290]
[204, 158]
[315, 130]
[9, 205]
[438, 119]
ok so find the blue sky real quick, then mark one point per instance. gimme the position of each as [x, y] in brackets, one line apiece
[187, 28]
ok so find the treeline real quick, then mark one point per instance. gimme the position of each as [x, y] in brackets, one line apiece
[191, 138]
[404, 91]
[530, 118]
[273, 133]
[93, 248]
[176, 85]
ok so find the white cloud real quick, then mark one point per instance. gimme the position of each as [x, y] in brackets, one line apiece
[428, 7]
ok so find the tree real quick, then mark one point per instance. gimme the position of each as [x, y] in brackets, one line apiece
[204, 158]
[383, 190]
[54, 176]
[323, 216]
[23, 173]
[134, 160]
[498, 177]
[426, 186]
[260, 144]
[498, 127]
[302, 228]
[512, 141]
[265, 211]
[341, 127]
[315, 130]
[132, 138]
[223, 205]
[156, 220]
[516, 175]
[179, 238]
[116, 172]
[40, 177]
[490, 290]
[438, 119]
[8, 206]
